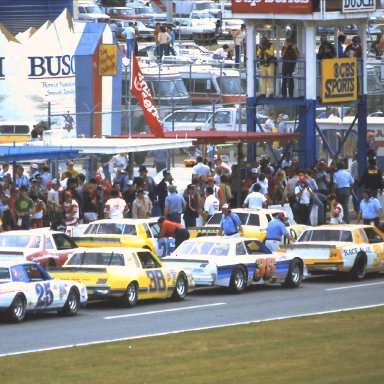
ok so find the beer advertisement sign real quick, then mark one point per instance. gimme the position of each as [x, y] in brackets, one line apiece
[359, 6]
[272, 6]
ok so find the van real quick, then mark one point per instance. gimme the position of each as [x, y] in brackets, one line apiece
[15, 131]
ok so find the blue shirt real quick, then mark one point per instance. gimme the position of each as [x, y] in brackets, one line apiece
[343, 179]
[370, 209]
[175, 203]
[276, 229]
[230, 223]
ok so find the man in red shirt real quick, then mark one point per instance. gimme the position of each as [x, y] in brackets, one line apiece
[172, 229]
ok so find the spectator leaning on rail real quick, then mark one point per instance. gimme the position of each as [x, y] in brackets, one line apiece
[276, 229]
[230, 224]
[172, 229]
[370, 209]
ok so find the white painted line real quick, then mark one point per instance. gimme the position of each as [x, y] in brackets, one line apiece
[163, 311]
[353, 286]
[192, 329]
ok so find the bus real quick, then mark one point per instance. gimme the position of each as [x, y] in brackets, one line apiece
[15, 131]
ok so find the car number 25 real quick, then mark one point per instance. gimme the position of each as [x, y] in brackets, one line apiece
[44, 294]
[157, 281]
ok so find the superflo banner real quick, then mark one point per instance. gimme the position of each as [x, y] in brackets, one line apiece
[272, 6]
[339, 80]
[140, 90]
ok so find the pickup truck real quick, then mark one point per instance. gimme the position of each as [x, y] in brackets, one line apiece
[204, 119]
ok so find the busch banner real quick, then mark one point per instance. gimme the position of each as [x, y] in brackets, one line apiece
[272, 6]
[140, 90]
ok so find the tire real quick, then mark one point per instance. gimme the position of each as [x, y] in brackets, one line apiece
[359, 268]
[181, 288]
[131, 295]
[238, 280]
[71, 306]
[294, 275]
[17, 310]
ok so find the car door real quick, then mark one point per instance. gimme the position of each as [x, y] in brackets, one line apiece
[153, 280]
[163, 247]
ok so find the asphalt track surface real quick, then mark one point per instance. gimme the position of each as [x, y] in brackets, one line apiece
[205, 308]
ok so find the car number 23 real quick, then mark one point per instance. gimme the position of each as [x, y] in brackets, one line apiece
[157, 281]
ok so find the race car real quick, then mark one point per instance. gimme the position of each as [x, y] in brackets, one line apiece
[131, 233]
[236, 263]
[27, 287]
[126, 275]
[46, 247]
[355, 249]
[254, 223]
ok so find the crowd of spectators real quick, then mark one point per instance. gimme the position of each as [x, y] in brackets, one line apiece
[33, 199]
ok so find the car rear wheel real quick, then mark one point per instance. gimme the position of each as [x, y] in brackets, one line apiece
[131, 295]
[359, 268]
[238, 280]
[294, 276]
[18, 309]
[72, 304]
[181, 288]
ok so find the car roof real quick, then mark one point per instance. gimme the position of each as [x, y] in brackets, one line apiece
[221, 239]
[125, 221]
[34, 232]
[110, 249]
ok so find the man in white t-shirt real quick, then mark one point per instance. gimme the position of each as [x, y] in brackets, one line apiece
[200, 168]
[115, 207]
[304, 194]
[211, 205]
[255, 199]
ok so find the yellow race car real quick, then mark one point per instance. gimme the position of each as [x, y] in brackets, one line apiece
[254, 223]
[130, 233]
[352, 248]
[125, 274]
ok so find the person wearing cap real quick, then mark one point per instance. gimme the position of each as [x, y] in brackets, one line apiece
[70, 168]
[201, 169]
[191, 212]
[304, 194]
[149, 182]
[276, 231]
[174, 205]
[70, 208]
[220, 163]
[115, 207]
[24, 206]
[342, 184]
[370, 209]
[211, 204]
[162, 189]
[21, 178]
[34, 170]
[255, 199]
[171, 229]
[230, 224]
[217, 191]
[141, 206]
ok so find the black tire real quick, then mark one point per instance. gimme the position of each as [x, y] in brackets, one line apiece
[181, 288]
[238, 280]
[294, 275]
[71, 306]
[359, 268]
[17, 310]
[131, 295]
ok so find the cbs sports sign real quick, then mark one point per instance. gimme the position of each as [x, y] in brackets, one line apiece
[272, 6]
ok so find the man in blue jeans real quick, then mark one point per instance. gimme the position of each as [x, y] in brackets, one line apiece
[129, 34]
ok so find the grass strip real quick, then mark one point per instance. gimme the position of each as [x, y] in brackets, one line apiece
[337, 348]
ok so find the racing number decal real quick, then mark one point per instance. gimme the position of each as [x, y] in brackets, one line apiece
[380, 256]
[156, 278]
[44, 294]
[265, 268]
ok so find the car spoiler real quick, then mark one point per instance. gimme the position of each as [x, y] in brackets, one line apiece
[181, 260]
[204, 231]
[306, 246]
[86, 239]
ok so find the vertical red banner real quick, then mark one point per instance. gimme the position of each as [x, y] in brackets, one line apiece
[140, 90]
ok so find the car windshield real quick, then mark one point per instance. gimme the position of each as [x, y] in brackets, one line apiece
[231, 85]
[96, 258]
[111, 229]
[20, 241]
[328, 235]
[198, 248]
[170, 88]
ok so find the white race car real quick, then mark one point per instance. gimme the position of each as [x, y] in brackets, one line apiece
[27, 287]
[236, 263]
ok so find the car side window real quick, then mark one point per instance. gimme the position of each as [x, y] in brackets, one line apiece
[48, 243]
[19, 274]
[62, 241]
[147, 260]
[34, 273]
[373, 236]
[252, 247]
[155, 229]
[254, 220]
[240, 249]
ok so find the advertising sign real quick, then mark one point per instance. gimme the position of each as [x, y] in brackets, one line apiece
[107, 59]
[339, 80]
[272, 6]
[359, 6]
